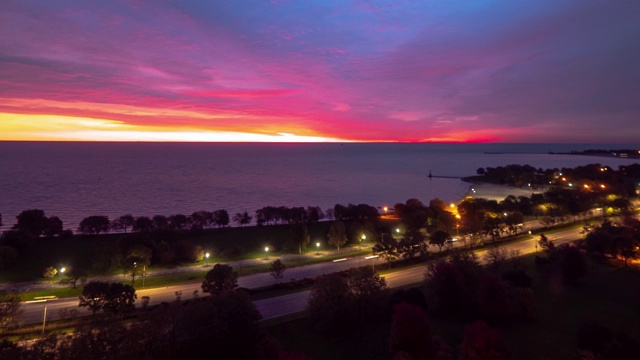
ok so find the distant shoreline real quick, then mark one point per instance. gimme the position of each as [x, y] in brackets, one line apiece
[620, 154]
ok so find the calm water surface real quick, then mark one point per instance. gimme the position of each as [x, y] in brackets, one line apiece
[75, 180]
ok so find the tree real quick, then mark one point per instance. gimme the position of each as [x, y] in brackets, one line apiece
[496, 256]
[54, 227]
[572, 262]
[337, 234]
[328, 302]
[142, 224]
[94, 225]
[10, 308]
[49, 273]
[32, 222]
[366, 283]
[242, 218]
[493, 302]
[411, 333]
[135, 263]
[221, 218]
[119, 298]
[439, 238]
[111, 297]
[201, 219]
[388, 247]
[219, 280]
[481, 341]
[513, 221]
[160, 222]
[77, 273]
[277, 269]
[411, 243]
[94, 296]
[123, 223]
[8, 257]
[188, 252]
[179, 222]
[598, 241]
[300, 236]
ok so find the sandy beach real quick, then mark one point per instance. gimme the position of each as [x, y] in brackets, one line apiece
[497, 192]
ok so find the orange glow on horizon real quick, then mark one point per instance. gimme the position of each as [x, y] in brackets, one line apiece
[45, 127]
[14, 127]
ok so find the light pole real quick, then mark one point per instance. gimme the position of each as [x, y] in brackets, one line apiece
[318, 248]
[206, 261]
[44, 317]
[266, 253]
[364, 237]
[535, 242]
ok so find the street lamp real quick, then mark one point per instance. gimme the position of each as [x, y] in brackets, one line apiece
[206, 256]
[266, 252]
[363, 238]
[318, 248]
[62, 270]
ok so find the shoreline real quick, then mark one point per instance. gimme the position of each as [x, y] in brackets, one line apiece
[495, 192]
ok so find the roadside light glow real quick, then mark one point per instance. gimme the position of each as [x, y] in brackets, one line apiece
[385, 209]
[452, 205]
[207, 255]
[570, 184]
[397, 230]
[63, 269]
[602, 186]
[266, 249]
[586, 186]
[564, 179]
[317, 244]
[364, 237]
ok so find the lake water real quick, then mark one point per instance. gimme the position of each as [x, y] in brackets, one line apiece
[75, 180]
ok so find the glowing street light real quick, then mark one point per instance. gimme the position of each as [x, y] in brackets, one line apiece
[62, 270]
[363, 238]
[385, 209]
[266, 252]
[318, 248]
[206, 257]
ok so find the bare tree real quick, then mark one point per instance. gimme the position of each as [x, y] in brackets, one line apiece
[277, 269]
[496, 256]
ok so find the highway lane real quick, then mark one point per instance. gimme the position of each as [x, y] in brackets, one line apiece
[288, 304]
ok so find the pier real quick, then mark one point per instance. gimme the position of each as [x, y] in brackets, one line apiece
[431, 176]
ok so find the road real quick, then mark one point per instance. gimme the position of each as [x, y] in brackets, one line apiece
[286, 304]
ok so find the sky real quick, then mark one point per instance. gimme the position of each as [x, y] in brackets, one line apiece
[550, 71]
